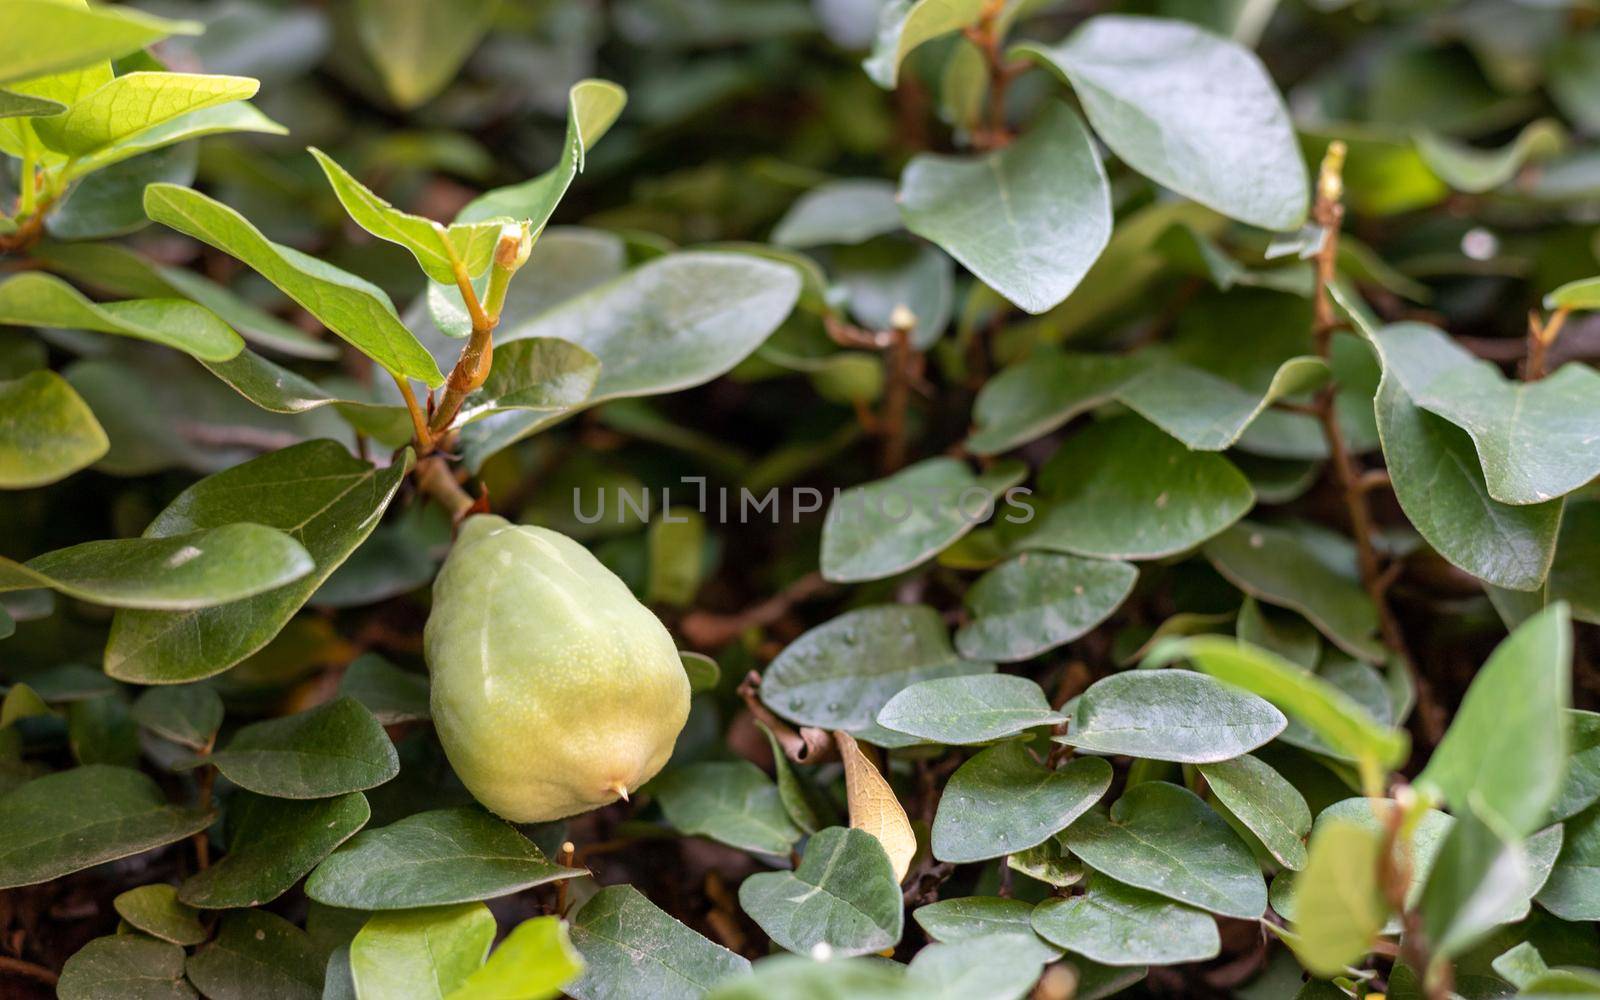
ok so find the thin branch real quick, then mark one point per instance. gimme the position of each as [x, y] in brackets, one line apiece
[897, 392]
[27, 970]
[434, 478]
[1541, 335]
[710, 630]
[419, 422]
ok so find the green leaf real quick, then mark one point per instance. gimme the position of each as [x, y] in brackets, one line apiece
[1174, 715]
[391, 694]
[1266, 803]
[72, 820]
[22, 702]
[1329, 713]
[1000, 965]
[332, 749]
[1191, 111]
[844, 211]
[842, 896]
[419, 45]
[186, 714]
[1048, 863]
[432, 859]
[26, 106]
[111, 202]
[1573, 889]
[1583, 294]
[630, 946]
[100, 731]
[1038, 601]
[1503, 753]
[592, 108]
[1473, 170]
[1479, 880]
[1574, 574]
[1003, 800]
[704, 673]
[675, 543]
[1339, 908]
[1531, 437]
[1123, 489]
[1031, 398]
[965, 918]
[903, 25]
[356, 310]
[1580, 788]
[183, 572]
[39, 37]
[1281, 632]
[1162, 838]
[1115, 924]
[963, 711]
[48, 432]
[895, 524]
[437, 248]
[235, 116]
[1287, 568]
[840, 674]
[134, 103]
[1027, 219]
[673, 323]
[155, 910]
[534, 961]
[1372, 814]
[733, 803]
[796, 977]
[36, 299]
[421, 953]
[537, 373]
[317, 493]
[1208, 412]
[258, 954]
[125, 967]
[272, 844]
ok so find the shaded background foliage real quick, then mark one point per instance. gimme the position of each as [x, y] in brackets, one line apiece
[1473, 188]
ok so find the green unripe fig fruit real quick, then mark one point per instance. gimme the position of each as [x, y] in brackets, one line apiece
[554, 690]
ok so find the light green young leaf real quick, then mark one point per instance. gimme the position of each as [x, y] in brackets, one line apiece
[905, 24]
[1503, 753]
[1161, 837]
[534, 962]
[1038, 601]
[1027, 219]
[629, 945]
[36, 299]
[962, 711]
[183, 572]
[357, 311]
[47, 431]
[1339, 908]
[1116, 924]
[840, 674]
[1331, 714]
[1174, 715]
[894, 524]
[437, 249]
[1583, 294]
[155, 910]
[234, 116]
[1002, 800]
[419, 45]
[134, 103]
[40, 37]
[592, 108]
[1124, 489]
[542, 374]
[333, 749]
[316, 492]
[1192, 111]
[420, 954]
[843, 895]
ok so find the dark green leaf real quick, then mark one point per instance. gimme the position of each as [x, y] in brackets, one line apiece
[994, 967]
[845, 211]
[391, 694]
[1115, 924]
[186, 714]
[1003, 800]
[1266, 803]
[630, 946]
[1175, 715]
[272, 844]
[958, 711]
[1038, 601]
[432, 859]
[328, 750]
[843, 896]
[125, 967]
[155, 910]
[258, 954]
[729, 802]
[49, 432]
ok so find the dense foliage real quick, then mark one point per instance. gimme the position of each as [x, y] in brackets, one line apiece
[1027, 498]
